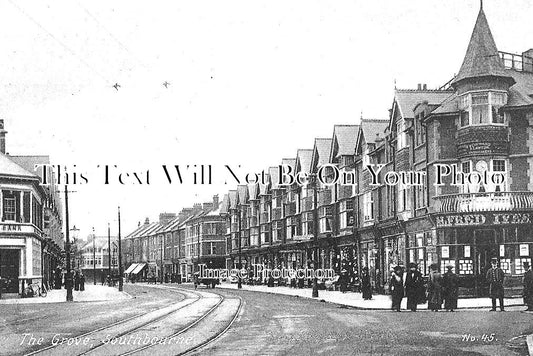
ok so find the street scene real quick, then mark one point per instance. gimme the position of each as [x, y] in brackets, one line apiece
[236, 178]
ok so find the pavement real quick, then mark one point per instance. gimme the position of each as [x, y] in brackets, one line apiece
[90, 294]
[352, 299]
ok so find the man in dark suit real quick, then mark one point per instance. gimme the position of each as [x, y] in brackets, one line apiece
[413, 286]
[495, 277]
[528, 287]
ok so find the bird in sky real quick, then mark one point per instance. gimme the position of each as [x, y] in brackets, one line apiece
[116, 86]
[166, 84]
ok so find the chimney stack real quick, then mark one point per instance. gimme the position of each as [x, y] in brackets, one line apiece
[527, 61]
[2, 137]
[424, 87]
[215, 201]
[147, 221]
[419, 86]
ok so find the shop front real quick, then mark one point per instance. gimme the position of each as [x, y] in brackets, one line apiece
[468, 242]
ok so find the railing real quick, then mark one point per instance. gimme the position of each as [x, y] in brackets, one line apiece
[516, 61]
[473, 202]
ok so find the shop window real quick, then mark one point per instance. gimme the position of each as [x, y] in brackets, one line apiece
[466, 267]
[519, 264]
[444, 264]
[505, 265]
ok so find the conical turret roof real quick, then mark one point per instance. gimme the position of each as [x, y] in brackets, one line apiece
[482, 58]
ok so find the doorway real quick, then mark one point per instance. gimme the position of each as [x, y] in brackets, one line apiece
[9, 270]
[486, 249]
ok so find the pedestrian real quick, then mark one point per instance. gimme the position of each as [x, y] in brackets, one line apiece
[495, 277]
[343, 280]
[77, 280]
[450, 285]
[82, 282]
[58, 277]
[396, 288]
[528, 287]
[366, 285]
[434, 289]
[414, 285]
[196, 280]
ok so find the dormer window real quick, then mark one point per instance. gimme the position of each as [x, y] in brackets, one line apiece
[482, 108]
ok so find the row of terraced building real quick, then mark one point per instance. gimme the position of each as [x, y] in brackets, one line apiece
[481, 121]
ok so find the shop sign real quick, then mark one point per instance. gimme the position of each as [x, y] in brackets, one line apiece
[483, 219]
[14, 228]
[445, 251]
[467, 252]
[524, 250]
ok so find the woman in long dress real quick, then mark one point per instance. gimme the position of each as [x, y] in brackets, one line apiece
[450, 289]
[396, 288]
[366, 286]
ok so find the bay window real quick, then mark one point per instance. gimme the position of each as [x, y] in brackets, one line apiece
[482, 108]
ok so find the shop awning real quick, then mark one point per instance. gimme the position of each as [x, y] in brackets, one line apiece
[131, 267]
[139, 268]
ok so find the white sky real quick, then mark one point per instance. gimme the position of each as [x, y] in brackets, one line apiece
[251, 82]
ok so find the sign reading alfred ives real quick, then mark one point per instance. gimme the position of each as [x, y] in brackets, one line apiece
[483, 219]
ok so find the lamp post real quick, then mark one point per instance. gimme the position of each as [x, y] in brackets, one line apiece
[109, 252]
[239, 281]
[120, 286]
[162, 237]
[68, 277]
[94, 257]
[315, 234]
[74, 232]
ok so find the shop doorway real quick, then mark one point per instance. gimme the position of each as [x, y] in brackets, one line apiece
[9, 270]
[486, 249]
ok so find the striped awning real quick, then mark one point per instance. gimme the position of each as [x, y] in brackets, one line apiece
[131, 268]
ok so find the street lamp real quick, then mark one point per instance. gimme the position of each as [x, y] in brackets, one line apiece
[120, 286]
[109, 253]
[315, 234]
[68, 277]
[94, 257]
[239, 281]
[74, 232]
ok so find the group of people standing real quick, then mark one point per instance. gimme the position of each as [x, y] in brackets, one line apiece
[411, 285]
[444, 288]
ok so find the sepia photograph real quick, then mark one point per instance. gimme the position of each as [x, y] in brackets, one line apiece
[233, 177]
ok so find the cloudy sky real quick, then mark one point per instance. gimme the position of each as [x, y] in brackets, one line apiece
[250, 83]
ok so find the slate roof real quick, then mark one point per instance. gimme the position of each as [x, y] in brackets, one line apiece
[232, 199]
[407, 99]
[303, 159]
[29, 162]
[373, 129]
[291, 162]
[521, 93]
[242, 193]
[224, 205]
[321, 152]
[481, 58]
[9, 168]
[345, 137]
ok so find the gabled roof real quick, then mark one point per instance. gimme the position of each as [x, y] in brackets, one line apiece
[291, 162]
[242, 194]
[321, 152]
[264, 188]
[481, 58]
[405, 100]
[521, 93]
[373, 129]
[343, 142]
[233, 199]
[273, 172]
[253, 191]
[9, 168]
[303, 160]
[224, 205]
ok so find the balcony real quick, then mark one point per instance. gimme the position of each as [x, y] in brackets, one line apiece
[478, 202]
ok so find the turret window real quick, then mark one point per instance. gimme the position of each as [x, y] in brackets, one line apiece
[482, 108]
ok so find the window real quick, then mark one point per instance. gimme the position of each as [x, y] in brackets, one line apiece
[368, 206]
[9, 208]
[420, 130]
[401, 135]
[482, 108]
[402, 197]
[466, 168]
[499, 167]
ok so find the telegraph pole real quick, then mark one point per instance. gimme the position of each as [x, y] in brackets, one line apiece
[120, 286]
[315, 233]
[239, 281]
[68, 277]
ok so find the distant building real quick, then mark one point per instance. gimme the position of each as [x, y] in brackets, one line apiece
[30, 230]
[94, 258]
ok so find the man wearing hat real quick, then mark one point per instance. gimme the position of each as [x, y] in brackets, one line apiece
[413, 287]
[528, 287]
[495, 277]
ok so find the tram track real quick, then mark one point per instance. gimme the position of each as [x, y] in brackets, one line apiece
[200, 319]
[158, 314]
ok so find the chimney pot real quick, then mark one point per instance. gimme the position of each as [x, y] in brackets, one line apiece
[419, 86]
[425, 87]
